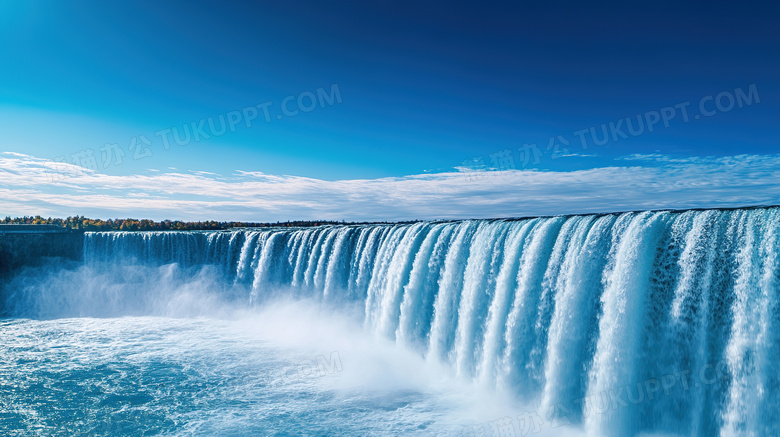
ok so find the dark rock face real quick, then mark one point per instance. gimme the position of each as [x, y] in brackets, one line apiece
[30, 245]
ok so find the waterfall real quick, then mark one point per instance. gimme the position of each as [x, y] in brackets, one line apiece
[621, 324]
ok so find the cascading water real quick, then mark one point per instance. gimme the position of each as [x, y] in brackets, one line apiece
[652, 322]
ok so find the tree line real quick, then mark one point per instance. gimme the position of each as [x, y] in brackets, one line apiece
[129, 224]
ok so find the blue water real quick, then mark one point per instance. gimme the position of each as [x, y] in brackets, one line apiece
[164, 376]
[652, 323]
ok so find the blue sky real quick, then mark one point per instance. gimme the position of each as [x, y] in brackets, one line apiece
[430, 94]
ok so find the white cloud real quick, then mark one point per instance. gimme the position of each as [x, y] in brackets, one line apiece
[27, 188]
[658, 157]
[580, 155]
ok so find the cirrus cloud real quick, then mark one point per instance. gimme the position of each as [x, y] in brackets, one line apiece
[648, 182]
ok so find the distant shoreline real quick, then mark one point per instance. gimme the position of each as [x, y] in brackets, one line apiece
[39, 224]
